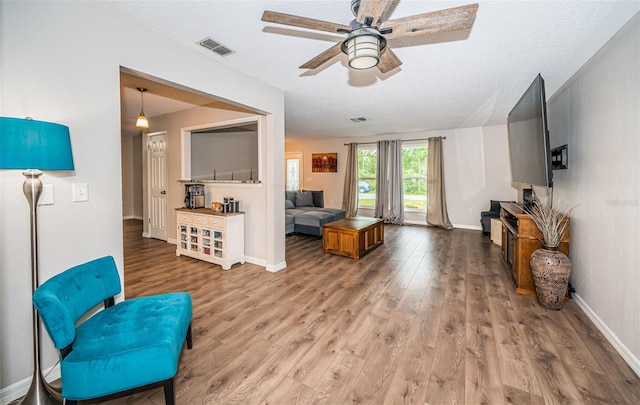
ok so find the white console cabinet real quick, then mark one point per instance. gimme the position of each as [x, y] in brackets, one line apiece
[211, 236]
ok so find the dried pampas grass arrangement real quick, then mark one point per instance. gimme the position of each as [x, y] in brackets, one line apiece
[551, 219]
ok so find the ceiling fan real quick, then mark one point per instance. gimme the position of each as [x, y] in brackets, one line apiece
[367, 35]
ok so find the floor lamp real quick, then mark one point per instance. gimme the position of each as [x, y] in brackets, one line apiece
[33, 146]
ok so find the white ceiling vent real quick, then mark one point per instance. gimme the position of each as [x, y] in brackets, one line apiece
[215, 46]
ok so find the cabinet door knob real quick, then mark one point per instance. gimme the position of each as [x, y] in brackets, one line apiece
[163, 192]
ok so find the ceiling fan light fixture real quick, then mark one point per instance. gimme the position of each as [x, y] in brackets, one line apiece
[142, 121]
[363, 47]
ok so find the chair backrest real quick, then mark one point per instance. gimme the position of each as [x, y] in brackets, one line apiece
[66, 297]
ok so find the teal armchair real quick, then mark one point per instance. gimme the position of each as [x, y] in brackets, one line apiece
[127, 347]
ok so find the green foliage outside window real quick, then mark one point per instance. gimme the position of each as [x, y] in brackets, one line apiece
[414, 173]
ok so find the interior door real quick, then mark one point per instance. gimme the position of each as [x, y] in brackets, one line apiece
[157, 184]
[293, 172]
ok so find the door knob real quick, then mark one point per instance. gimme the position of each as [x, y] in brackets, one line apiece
[163, 192]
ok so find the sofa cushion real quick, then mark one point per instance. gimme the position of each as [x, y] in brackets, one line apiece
[314, 218]
[304, 199]
[289, 204]
[291, 196]
[337, 213]
[318, 197]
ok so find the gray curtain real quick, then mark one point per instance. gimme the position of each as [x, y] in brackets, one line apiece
[389, 189]
[381, 178]
[436, 199]
[350, 192]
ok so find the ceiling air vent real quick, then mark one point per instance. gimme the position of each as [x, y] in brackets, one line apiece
[215, 46]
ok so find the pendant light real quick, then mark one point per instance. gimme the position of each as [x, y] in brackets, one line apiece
[142, 121]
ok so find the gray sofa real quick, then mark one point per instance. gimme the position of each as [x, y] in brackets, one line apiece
[305, 212]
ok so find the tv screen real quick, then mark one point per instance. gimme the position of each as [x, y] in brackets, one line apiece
[529, 149]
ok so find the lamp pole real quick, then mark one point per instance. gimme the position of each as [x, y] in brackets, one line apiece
[39, 392]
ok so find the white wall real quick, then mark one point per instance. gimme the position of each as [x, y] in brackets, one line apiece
[476, 170]
[227, 154]
[597, 113]
[60, 62]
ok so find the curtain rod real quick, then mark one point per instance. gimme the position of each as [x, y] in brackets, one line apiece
[403, 140]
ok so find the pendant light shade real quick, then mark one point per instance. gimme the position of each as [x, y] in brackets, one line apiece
[142, 121]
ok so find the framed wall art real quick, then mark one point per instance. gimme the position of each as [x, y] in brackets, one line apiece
[324, 162]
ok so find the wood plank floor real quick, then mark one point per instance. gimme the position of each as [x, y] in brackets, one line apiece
[430, 317]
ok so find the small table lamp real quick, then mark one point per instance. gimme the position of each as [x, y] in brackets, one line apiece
[33, 146]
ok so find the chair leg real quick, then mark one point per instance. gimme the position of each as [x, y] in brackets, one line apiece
[169, 396]
[189, 338]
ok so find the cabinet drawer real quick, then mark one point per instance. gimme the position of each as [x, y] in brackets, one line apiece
[200, 219]
[217, 221]
[182, 217]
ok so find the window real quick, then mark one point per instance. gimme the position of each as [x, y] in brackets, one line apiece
[414, 175]
[293, 174]
[367, 161]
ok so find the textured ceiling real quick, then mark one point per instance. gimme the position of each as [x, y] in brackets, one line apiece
[446, 81]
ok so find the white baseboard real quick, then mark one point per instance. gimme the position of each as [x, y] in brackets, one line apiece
[131, 217]
[20, 388]
[277, 267]
[146, 235]
[626, 354]
[172, 241]
[254, 260]
[471, 227]
[414, 222]
[263, 263]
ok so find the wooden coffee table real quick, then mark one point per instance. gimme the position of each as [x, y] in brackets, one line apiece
[352, 237]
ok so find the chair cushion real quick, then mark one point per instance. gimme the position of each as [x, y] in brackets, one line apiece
[304, 199]
[63, 299]
[132, 344]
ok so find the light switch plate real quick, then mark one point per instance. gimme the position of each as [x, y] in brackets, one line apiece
[46, 198]
[80, 192]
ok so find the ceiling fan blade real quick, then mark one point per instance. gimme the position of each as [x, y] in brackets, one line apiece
[323, 57]
[303, 22]
[374, 9]
[452, 19]
[388, 61]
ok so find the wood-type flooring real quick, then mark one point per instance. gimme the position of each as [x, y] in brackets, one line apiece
[430, 317]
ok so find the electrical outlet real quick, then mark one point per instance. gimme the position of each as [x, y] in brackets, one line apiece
[470, 211]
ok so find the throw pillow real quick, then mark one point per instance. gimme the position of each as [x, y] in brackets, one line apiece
[291, 196]
[288, 204]
[318, 198]
[304, 199]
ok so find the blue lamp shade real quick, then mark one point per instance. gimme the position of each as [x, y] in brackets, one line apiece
[30, 144]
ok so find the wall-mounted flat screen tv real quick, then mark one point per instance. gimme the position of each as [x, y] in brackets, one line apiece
[529, 149]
